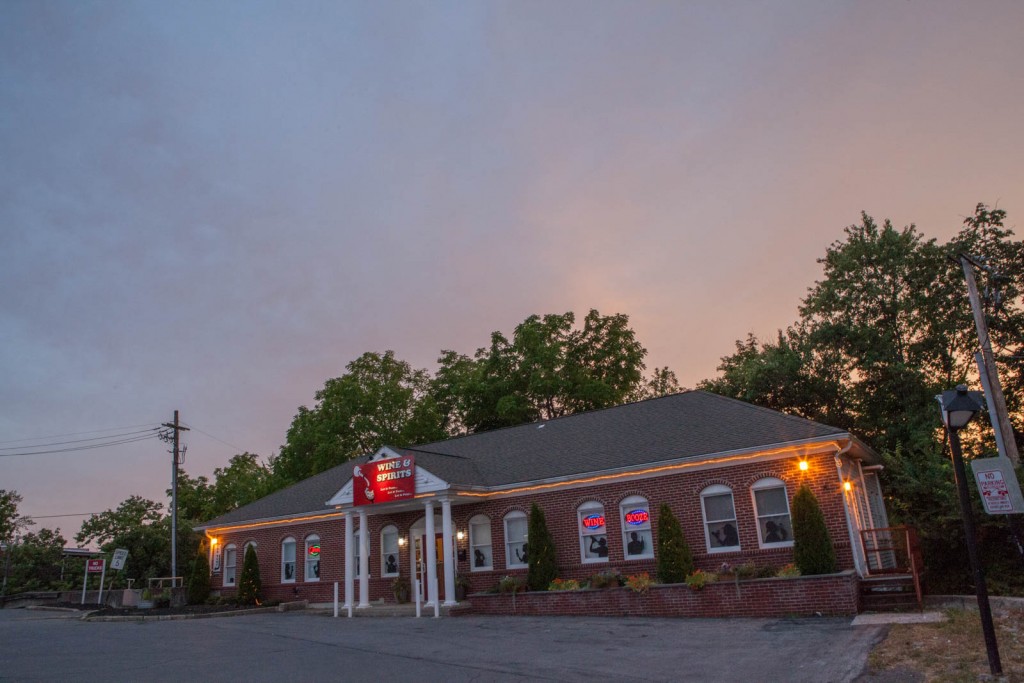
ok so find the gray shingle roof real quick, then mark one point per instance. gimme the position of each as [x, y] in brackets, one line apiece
[688, 425]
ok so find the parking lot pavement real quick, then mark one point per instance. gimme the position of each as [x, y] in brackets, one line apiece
[297, 646]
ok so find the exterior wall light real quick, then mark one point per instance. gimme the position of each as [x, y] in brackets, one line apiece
[460, 534]
[803, 465]
[401, 541]
[847, 486]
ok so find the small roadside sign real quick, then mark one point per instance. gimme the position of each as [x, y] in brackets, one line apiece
[120, 555]
[95, 566]
[997, 484]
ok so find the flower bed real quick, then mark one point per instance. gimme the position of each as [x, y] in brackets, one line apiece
[828, 595]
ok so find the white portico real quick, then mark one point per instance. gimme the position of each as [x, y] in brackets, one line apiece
[428, 493]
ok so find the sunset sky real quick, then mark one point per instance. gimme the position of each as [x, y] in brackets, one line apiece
[214, 206]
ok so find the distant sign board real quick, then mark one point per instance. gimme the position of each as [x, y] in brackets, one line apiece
[997, 484]
[384, 481]
[94, 566]
[120, 555]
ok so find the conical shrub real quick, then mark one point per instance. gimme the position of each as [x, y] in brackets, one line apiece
[675, 560]
[812, 546]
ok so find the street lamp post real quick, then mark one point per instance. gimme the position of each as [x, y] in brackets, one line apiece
[958, 408]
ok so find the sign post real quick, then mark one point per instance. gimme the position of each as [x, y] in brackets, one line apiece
[93, 567]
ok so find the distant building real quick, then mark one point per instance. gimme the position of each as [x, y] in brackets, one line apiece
[727, 469]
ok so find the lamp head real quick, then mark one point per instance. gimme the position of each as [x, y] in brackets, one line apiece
[959, 406]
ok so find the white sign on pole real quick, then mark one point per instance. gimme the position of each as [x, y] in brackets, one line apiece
[997, 483]
[120, 555]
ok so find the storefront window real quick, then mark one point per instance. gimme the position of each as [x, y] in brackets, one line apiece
[230, 560]
[593, 532]
[389, 551]
[719, 519]
[771, 504]
[515, 540]
[480, 544]
[288, 560]
[312, 558]
[635, 515]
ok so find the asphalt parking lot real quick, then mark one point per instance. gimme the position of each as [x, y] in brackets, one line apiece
[303, 646]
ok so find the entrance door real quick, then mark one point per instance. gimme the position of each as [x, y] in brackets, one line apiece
[421, 565]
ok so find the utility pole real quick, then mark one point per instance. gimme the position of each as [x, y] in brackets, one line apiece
[994, 389]
[176, 426]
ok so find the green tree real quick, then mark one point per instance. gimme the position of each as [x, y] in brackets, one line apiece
[541, 560]
[250, 586]
[11, 522]
[380, 400]
[549, 368]
[199, 581]
[812, 546]
[243, 481]
[36, 562]
[675, 561]
[138, 525]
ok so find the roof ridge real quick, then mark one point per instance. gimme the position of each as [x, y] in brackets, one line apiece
[773, 411]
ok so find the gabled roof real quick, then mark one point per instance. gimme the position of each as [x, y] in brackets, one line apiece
[689, 425]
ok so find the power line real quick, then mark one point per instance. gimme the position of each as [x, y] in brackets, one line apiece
[237, 448]
[61, 436]
[77, 441]
[73, 449]
[70, 514]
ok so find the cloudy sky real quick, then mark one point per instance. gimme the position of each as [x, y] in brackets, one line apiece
[213, 207]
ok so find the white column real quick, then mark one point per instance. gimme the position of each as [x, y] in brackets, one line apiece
[449, 556]
[364, 560]
[350, 557]
[431, 554]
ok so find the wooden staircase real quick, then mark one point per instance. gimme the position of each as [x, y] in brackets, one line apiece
[891, 593]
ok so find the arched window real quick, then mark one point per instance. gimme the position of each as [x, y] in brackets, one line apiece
[480, 544]
[312, 569]
[230, 562]
[593, 532]
[389, 551]
[288, 560]
[635, 515]
[771, 505]
[515, 540]
[721, 532]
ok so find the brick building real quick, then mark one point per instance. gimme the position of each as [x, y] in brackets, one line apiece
[459, 507]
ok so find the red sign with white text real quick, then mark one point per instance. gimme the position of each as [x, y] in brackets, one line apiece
[384, 481]
[95, 566]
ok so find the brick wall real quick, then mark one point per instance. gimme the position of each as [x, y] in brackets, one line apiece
[680, 490]
[831, 595]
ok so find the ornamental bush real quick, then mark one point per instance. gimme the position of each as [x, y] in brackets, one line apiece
[675, 561]
[199, 581]
[250, 587]
[812, 546]
[543, 568]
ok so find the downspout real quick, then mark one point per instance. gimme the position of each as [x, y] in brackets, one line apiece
[858, 558]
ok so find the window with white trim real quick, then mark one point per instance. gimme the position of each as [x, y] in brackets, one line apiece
[389, 551]
[515, 540]
[312, 568]
[637, 540]
[720, 530]
[771, 505]
[593, 532]
[482, 558]
[288, 560]
[230, 561]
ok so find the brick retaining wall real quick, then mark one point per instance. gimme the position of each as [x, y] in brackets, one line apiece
[830, 595]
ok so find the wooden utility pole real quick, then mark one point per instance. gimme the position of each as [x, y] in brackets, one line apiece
[994, 389]
[176, 426]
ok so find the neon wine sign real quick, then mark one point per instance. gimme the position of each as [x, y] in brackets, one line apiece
[593, 521]
[314, 550]
[637, 517]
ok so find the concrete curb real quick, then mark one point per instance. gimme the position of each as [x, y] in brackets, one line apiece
[178, 617]
[47, 608]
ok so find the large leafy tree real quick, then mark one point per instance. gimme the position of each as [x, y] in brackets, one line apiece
[36, 563]
[11, 521]
[549, 368]
[138, 525]
[379, 400]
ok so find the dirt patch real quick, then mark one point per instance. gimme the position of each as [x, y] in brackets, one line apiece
[949, 651]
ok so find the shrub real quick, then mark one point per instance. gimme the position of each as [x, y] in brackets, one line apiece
[698, 579]
[812, 547]
[564, 585]
[789, 571]
[675, 561]
[511, 584]
[606, 580]
[747, 570]
[250, 588]
[199, 581]
[543, 568]
[639, 583]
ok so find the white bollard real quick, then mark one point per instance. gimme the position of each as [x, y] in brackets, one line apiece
[437, 601]
[335, 599]
[418, 596]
